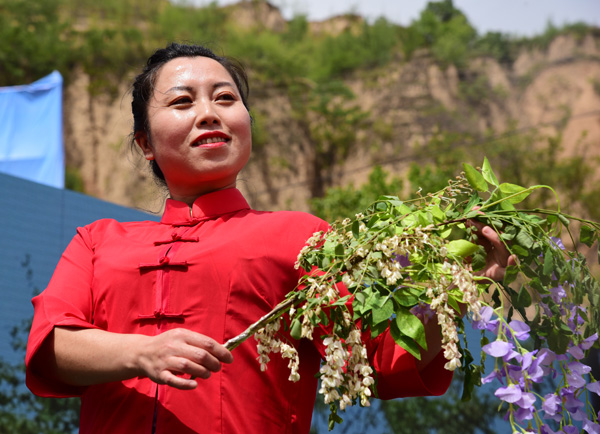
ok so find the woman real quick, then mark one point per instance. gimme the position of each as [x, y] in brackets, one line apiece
[135, 314]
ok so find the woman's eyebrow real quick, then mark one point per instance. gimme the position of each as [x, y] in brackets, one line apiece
[190, 88]
[179, 88]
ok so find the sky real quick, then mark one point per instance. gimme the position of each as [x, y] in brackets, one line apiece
[516, 17]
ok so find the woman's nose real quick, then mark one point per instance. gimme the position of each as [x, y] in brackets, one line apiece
[206, 114]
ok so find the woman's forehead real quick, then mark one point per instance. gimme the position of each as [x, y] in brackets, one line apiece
[194, 71]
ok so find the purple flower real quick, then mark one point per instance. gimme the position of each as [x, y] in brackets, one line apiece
[527, 359]
[552, 404]
[495, 374]
[578, 414]
[520, 329]
[594, 387]
[546, 357]
[486, 322]
[423, 311]
[558, 293]
[575, 375]
[557, 242]
[576, 352]
[497, 348]
[526, 401]
[591, 427]
[572, 404]
[545, 429]
[569, 429]
[523, 414]
[403, 260]
[588, 342]
[510, 393]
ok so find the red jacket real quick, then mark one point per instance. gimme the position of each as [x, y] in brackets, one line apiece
[215, 270]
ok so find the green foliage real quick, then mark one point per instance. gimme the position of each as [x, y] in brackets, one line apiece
[109, 38]
[35, 41]
[497, 45]
[190, 24]
[397, 255]
[452, 416]
[325, 113]
[74, 180]
[21, 412]
[446, 31]
[339, 202]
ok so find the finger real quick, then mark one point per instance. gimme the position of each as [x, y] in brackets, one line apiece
[218, 351]
[170, 379]
[196, 360]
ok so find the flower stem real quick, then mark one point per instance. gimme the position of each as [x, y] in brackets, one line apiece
[263, 321]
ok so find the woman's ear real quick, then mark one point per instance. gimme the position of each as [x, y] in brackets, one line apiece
[141, 139]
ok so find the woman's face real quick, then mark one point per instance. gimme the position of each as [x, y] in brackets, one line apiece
[199, 128]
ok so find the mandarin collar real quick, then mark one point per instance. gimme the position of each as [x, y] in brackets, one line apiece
[206, 207]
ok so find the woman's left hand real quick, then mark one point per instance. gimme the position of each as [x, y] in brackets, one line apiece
[498, 258]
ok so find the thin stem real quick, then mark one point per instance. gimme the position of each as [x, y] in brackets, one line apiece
[250, 331]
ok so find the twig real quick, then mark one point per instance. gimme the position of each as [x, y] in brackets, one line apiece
[276, 312]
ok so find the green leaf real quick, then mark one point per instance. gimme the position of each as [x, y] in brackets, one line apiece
[404, 341]
[437, 213]
[523, 298]
[355, 229]
[548, 262]
[510, 275]
[378, 329]
[524, 239]
[507, 205]
[339, 250]
[296, 329]
[461, 248]
[383, 313]
[587, 235]
[405, 298]
[565, 221]
[411, 326]
[488, 173]
[360, 297]
[475, 178]
[513, 189]
[519, 251]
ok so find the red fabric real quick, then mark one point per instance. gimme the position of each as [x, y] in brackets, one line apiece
[215, 271]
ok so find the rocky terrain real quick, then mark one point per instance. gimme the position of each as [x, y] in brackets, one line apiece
[553, 89]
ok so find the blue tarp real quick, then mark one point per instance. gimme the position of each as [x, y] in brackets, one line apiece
[31, 141]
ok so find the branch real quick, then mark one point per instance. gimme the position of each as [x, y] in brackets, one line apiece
[266, 319]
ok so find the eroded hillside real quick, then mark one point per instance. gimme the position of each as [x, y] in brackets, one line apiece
[405, 104]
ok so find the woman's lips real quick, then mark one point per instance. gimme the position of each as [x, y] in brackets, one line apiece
[211, 140]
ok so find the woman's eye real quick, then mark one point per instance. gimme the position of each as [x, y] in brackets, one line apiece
[182, 100]
[226, 97]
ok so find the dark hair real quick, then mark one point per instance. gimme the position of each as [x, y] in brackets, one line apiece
[143, 85]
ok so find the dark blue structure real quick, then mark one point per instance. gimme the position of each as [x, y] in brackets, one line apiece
[36, 224]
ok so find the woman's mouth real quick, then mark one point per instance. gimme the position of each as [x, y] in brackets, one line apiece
[210, 142]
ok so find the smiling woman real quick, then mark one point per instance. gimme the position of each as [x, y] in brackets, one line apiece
[199, 133]
[135, 315]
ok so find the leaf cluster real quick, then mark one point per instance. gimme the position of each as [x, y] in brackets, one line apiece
[431, 235]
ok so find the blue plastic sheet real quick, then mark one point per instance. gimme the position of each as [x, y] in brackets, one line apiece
[31, 139]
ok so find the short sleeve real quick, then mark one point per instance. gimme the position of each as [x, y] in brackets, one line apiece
[67, 301]
[398, 376]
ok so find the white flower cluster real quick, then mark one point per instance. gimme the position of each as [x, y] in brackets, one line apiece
[310, 244]
[346, 370]
[463, 279]
[391, 248]
[269, 343]
[445, 318]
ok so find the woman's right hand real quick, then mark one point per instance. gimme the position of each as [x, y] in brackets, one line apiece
[177, 356]
[86, 356]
